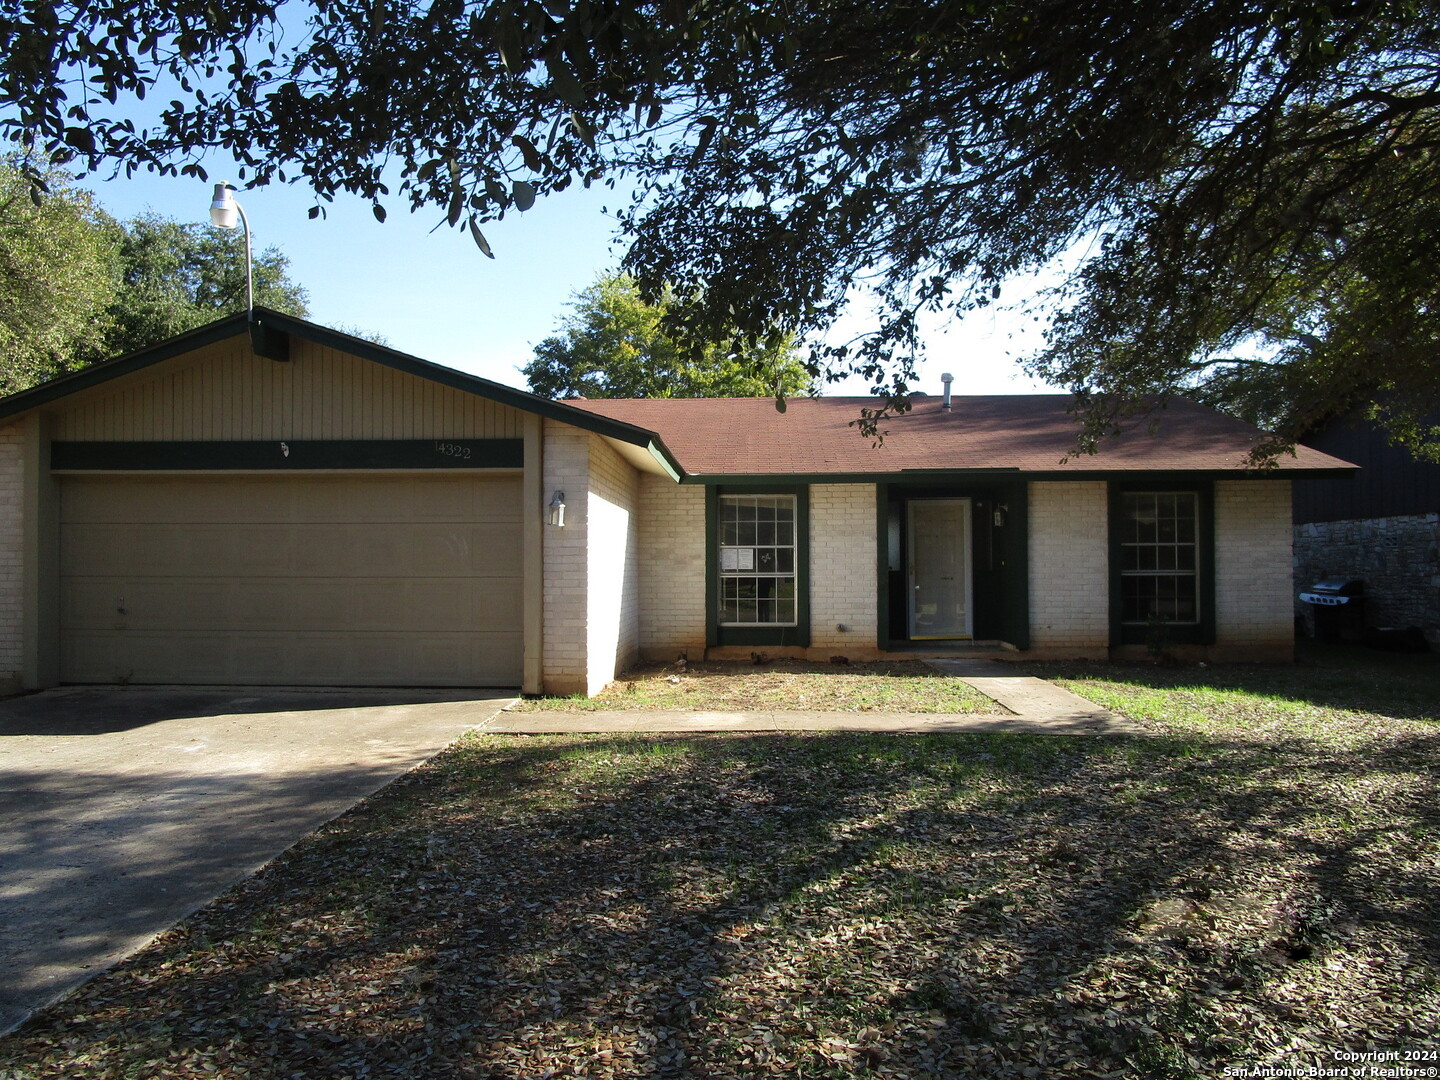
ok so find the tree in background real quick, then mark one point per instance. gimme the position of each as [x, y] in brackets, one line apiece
[175, 277]
[77, 287]
[1239, 183]
[57, 277]
[614, 345]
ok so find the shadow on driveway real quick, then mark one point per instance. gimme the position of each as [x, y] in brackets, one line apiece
[123, 810]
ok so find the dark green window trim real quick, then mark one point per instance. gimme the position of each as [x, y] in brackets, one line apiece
[882, 566]
[797, 635]
[1198, 633]
[290, 455]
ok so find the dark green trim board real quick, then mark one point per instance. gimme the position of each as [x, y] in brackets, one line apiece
[1015, 609]
[797, 635]
[269, 342]
[882, 566]
[289, 456]
[1201, 633]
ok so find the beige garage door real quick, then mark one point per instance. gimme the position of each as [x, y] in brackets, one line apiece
[291, 580]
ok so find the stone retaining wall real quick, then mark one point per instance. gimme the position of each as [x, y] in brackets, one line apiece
[1398, 558]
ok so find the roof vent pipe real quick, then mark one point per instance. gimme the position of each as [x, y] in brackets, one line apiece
[946, 379]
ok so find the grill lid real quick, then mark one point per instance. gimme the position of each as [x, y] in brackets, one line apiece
[1339, 586]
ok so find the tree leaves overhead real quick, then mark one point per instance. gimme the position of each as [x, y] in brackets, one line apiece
[1243, 190]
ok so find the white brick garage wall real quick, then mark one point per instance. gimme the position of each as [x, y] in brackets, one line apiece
[592, 601]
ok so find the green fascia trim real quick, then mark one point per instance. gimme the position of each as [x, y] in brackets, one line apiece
[759, 480]
[797, 635]
[1199, 476]
[664, 460]
[1201, 633]
[288, 456]
[274, 324]
[960, 476]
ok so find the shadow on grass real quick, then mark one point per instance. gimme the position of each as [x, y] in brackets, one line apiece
[817, 906]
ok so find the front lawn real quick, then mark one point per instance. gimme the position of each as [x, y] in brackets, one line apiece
[1255, 883]
[731, 686]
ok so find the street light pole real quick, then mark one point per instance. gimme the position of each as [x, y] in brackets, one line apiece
[224, 208]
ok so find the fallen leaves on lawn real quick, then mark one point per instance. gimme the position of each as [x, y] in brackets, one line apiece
[731, 686]
[806, 906]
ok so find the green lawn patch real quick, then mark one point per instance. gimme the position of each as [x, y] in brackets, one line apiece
[1256, 883]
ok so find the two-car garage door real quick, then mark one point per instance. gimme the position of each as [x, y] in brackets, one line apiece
[332, 579]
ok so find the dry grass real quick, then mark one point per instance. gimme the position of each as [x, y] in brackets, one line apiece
[1220, 894]
[900, 686]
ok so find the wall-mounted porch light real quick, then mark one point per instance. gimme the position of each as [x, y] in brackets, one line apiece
[557, 509]
[1000, 511]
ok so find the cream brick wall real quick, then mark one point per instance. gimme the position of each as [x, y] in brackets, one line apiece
[566, 468]
[672, 568]
[592, 613]
[843, 589]
[1069, 565]
[613, 617]
[12, 549]
[1253, 536]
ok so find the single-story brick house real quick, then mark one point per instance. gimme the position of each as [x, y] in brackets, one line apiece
[278, 503]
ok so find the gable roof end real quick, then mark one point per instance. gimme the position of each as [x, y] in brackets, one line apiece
[275, 322]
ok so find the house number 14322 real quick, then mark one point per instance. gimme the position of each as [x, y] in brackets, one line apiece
[450, 449]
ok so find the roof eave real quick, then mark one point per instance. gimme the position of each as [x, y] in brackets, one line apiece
[1003, 472]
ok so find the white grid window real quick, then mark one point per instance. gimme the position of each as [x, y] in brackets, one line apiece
[757, 560]
[1159, 553]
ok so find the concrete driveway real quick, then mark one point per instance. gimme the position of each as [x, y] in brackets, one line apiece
[122, 810]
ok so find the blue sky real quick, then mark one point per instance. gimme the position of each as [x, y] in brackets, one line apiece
[434, 295]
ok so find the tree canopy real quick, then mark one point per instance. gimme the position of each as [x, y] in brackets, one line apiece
[76, 286]
[613, 344]
[175, 277]
[57, 278]
[1246, 190]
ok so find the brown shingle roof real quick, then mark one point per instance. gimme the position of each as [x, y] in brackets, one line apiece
[1030, 433]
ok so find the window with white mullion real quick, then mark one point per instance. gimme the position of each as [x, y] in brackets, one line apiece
[757, 560]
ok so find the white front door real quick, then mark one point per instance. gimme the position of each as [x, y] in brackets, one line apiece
[939, 560]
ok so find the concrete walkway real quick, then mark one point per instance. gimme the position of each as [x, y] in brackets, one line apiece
[1029, 704]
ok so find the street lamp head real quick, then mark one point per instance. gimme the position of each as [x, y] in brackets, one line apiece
[223, 209]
